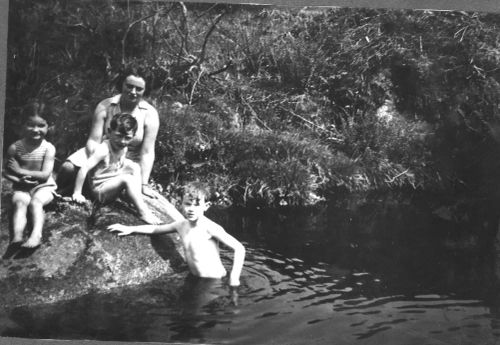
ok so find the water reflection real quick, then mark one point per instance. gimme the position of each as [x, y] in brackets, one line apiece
[326, 302]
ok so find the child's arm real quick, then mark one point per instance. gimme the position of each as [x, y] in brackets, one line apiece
[239, 252]
[8, 173]
[98, 155]
[124, 230]
[47, 166]
[17, 174]
[11, 177]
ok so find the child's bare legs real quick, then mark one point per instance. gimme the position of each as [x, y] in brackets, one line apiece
[20, 201]
[135, 169]
[41, 198]
[111, 189]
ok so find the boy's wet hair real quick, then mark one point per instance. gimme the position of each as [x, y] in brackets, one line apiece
[124, 123]
[195, 190]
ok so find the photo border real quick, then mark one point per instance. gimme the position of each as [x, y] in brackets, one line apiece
[460, 5]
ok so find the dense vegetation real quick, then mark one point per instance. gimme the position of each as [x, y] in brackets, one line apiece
[275, 105]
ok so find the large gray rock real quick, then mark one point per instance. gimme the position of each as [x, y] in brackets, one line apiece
[79, 255]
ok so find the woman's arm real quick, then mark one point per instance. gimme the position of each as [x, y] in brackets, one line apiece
[151, 125]
[124, 230]
[97, 128]
[239, 252]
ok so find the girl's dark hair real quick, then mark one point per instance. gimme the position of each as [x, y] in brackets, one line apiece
[36, 108]
[124, 123]
[134, 71]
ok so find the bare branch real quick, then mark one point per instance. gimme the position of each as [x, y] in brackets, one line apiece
[305, 120]
[254, 113]
[391, 180]
[135, 22]
[223, 69]
[201, 57]
[194, 85]
[207, 11]
[185, 34]
[182, 45]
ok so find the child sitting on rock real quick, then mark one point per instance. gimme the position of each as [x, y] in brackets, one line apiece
[29, 166]
[110, 172]
[199, 236]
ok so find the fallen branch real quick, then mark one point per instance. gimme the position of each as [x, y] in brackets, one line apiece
[312, 124]
[391, 180]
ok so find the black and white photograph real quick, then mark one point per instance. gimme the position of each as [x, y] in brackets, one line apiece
[223, 173]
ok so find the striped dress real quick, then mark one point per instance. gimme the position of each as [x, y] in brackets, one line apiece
[35, 157]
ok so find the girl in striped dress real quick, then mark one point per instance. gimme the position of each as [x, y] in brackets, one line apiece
[29, 166]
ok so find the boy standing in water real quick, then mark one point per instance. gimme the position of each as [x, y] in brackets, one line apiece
[30, 162]
[112, 173]
[199, 236]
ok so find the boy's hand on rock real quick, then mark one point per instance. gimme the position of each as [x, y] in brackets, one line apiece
[123, 230]
[78, 198]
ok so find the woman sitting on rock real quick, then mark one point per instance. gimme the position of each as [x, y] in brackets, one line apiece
[141, 148]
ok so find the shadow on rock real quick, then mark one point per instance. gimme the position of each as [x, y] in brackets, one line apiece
[169, 249]
[121, 314]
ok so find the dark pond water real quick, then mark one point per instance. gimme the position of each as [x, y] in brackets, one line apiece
[375, 274]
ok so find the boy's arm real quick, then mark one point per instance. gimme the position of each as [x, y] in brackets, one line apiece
[239, 252]
[98, 155]
[124, 230]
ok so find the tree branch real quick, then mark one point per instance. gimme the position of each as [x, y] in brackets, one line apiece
[201, 57]
[223, 69]
[131, 25]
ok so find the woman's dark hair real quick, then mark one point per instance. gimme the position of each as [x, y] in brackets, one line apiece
[124, 123]
[134, 71]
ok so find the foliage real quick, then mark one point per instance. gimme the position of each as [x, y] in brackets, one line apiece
[281, 169]
[254, 167]
[274, 105]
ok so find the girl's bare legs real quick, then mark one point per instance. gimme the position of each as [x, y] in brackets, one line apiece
[111, 190]
[41, 198]
[20, 201]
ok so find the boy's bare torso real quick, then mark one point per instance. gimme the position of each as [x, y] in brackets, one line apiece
[201, 248]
